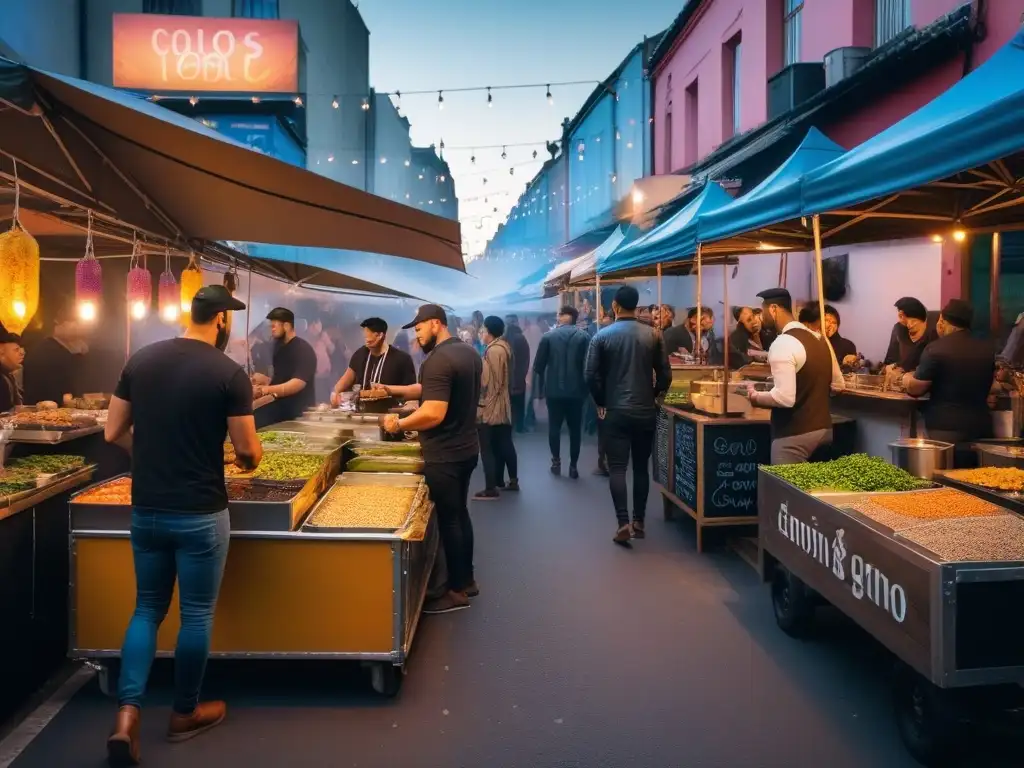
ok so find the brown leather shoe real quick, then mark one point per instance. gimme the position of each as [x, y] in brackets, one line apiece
[123, 744]
[207, 715]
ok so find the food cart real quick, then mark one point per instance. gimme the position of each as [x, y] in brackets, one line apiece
[932, 573]
[312, 571]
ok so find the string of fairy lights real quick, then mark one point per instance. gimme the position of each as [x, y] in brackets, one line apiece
[493, 172]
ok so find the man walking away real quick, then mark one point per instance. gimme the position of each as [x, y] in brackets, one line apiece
[183, 397]
[494, 415]
[449, 395]
[627, 370]
[559, 370]
[520, 370]
[804, 371]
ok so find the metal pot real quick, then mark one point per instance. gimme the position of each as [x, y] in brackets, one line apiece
[920, 457]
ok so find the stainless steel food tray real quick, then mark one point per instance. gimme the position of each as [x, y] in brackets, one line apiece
[86, 516]
[50, 436]
[391, 479]
[1006, 499]
[338, 416]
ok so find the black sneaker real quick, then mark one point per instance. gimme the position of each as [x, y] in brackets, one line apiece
[501, 486]
[556, 467]
[574, 473]
[487, 495]
[513, 485]
[473, 590]
[638, 530]
[623, 535]
[450, 602]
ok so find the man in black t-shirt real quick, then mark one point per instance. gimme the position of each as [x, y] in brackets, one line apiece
[956, 371]
[375, 363]
[448, 391]
[177, 401]
[292, 385]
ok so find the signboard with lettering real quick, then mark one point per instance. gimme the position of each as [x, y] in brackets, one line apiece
[731, 455]
[881, 585]
[685, 460]
[194, 54]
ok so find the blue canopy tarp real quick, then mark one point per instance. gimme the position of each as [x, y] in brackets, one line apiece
[530, 288]
[740, 226]
[957, 161]
[673, 241]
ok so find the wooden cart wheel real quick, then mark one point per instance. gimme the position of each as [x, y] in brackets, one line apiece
[386, 678]
[107, 676]
[792, 602]
[928, 720]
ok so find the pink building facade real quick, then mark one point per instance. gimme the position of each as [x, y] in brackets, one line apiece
[711, 85]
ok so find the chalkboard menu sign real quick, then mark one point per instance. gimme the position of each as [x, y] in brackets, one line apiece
[686, 462]
[731, 455]
[661, 441]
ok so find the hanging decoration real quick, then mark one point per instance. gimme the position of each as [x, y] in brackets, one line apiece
[168, 293]
[191, 282]
[19, 271]
[139, 294]
[88, 281]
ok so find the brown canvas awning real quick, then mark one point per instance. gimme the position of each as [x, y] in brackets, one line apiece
[173, 178]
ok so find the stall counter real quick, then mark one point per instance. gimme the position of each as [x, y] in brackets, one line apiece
[882, 418]
[706, 466]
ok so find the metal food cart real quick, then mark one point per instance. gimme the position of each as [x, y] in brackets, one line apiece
[288, 592]
[944, 621]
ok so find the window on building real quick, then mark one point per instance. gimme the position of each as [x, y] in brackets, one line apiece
[256, 9]
[731, 86]
[891, 18]
[793, 10]
[692, 123]
[174, 7]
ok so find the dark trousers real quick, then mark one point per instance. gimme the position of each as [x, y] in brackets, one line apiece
[448, 483]
[570, 411]
[626, 437]
[602, 444]
[497, 451]
[519, 411]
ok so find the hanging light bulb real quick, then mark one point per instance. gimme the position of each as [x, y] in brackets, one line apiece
[366, 104]
[88, 281]
[535, 154]
[193, 100]
[335, 103]
[168, 293]
[19, 277]
[490, 99]
[512, 171]
[504, 154]
[298, 101]
[191, 282]
[551, 99]
[407, 163]
[472, 158]
[139, 286]
[440, 100]
[255, 99]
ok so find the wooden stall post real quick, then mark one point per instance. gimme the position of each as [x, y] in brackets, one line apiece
[659, 290]
[598, 308]
[818, 272]
[993, 285]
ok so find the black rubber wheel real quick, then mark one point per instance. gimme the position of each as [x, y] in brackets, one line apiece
[792, 602]
[928, 720]
[106, 676]
[386, 679]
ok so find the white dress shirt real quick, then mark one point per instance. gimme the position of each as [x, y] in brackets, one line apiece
[786, 356]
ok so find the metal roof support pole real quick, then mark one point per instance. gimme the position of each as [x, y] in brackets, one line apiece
[821, 282]
[993, 286]
[725, 325]
[700, 313]
[659, 292]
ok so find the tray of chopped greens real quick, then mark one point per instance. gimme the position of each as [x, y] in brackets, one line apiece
[857, 472]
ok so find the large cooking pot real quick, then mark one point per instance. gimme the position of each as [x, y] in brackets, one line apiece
[922, 457]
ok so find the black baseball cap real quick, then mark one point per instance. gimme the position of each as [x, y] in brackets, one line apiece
[211, 299]
[958, 312]
[428, 312]
[776, 295]
[6, 337]
[282, 315]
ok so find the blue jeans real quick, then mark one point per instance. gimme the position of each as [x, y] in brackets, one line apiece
[191, 548]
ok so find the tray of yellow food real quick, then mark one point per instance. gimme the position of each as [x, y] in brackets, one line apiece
[367, 503]
[1003, 486]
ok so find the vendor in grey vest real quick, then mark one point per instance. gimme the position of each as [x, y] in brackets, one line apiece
[805, 372]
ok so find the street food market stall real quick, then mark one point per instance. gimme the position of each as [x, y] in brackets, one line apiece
[340, 562]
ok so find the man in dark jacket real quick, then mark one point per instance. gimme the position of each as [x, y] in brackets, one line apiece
[520, 370]
[558, 370]
[626, 371]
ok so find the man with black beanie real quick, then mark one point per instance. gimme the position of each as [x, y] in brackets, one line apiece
[627, 370]
[956, 372]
